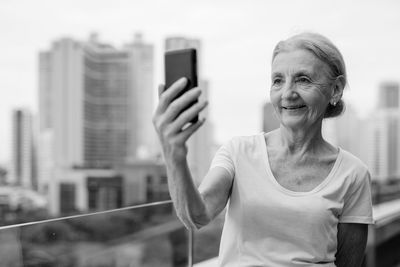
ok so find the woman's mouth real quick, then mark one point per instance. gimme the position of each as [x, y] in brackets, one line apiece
[293, 107]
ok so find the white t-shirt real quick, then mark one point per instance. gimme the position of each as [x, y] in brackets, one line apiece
[269, 225]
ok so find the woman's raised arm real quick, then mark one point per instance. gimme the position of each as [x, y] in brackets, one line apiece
[170, 120]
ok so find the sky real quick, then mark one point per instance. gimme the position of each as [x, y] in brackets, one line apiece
[237, 37]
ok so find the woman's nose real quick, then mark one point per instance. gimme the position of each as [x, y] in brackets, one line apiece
[289, 91]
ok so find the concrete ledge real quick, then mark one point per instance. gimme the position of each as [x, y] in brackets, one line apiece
[208, 263]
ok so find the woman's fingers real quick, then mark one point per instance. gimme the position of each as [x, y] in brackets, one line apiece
[168, 95]
[160, 89]
[188, 115]
[185, 107]
[187, 132]
[175, 111]
[180, 104]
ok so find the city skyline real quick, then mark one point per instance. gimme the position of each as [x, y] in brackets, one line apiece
[235, 34]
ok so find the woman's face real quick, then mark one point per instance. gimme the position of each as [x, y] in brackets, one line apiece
[300, 89]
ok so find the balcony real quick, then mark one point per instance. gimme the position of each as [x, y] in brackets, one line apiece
[151, 235]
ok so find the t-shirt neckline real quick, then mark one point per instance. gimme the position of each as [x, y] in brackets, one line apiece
[296, 193]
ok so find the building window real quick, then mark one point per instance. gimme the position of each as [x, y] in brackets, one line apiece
[67, 198]
[104, 193]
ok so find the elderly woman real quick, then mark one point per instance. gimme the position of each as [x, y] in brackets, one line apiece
[293, 199]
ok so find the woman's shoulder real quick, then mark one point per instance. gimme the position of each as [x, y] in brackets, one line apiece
[354, 164]
[245, 142]
[245, 139]
[352, 159]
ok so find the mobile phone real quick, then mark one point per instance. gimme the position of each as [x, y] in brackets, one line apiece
[181, 63]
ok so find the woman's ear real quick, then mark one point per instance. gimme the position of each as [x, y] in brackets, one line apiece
[338, 87]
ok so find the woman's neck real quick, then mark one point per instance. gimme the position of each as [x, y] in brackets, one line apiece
[301, 142]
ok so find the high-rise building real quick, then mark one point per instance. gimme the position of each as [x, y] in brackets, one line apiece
[180, 42]
[200, 144]
[98, 100]
[95, 108]
[382, 130]
[270, 121]
[389, 95]
[23, 156]
[143, 139]
[45, 160]
[377, 149]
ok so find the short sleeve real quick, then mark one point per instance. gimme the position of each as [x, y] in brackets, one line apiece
[358, 203]
[224, 158]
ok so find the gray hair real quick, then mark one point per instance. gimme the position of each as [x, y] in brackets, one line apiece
[327, 52]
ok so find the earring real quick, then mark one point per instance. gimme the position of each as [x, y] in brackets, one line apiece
[333, 103]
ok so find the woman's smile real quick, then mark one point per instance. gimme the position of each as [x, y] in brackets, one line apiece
[294, 108]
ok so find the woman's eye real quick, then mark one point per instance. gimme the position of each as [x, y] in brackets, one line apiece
[303, 80]
[277, 81]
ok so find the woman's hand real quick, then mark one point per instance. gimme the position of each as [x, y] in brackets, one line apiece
[171, 117]
[171, 120]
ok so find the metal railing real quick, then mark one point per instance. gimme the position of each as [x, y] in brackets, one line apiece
[92, 240]
[386, 217]
[140, 206]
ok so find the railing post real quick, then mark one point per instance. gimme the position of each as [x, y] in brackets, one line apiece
[190, 247]
[370, 257]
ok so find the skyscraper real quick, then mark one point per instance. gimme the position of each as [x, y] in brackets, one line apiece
[95, 108]
[23, 159]
[98, 100]
[389, 95]
[382, 132]
[200, 144]
[143, 137]
[180, 42]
